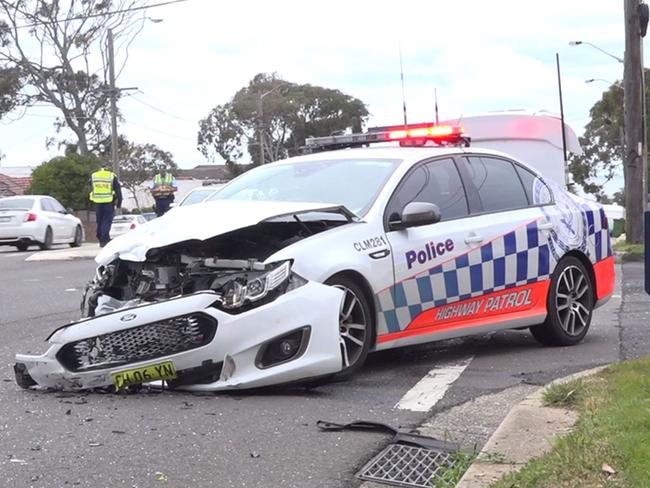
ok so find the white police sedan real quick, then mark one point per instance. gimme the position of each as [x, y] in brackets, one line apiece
[300, 268]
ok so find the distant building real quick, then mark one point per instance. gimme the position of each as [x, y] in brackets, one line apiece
[12, 186]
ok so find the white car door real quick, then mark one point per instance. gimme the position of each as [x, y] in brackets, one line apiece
[422, 254]
[51, 217]
[68, 222]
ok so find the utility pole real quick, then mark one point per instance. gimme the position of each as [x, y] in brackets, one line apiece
[634, 166]
[113, 95]
[260, 123]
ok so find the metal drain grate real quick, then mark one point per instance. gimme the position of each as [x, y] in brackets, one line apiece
[409, 466]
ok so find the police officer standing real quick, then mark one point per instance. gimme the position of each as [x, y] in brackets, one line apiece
[163, 187]
[105, 194]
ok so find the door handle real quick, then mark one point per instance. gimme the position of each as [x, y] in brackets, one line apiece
[379, 254]
[545, 226]
[473, 238]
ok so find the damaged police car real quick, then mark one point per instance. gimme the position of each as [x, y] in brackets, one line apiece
[298, 269]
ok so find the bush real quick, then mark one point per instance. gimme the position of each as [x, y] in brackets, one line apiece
[66, 178]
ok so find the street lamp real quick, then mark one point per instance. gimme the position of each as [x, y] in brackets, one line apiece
[577, 43]
[260, 113]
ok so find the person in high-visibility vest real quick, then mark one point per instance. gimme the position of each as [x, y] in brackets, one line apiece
[163, 187]
[105, 193]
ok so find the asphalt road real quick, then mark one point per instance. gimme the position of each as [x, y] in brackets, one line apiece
[262, 438]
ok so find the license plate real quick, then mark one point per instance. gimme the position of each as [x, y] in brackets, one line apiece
[5, 219]
[159, 371]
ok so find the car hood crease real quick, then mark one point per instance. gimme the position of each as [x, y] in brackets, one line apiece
[201, 222]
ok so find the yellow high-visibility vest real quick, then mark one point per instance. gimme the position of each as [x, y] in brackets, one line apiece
[102, 191]
[167, 180]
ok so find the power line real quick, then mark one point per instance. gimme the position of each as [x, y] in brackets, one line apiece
[160, 132]
[104, 14]
[160, 110]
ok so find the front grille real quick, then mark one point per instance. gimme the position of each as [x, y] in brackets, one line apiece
[141, 343]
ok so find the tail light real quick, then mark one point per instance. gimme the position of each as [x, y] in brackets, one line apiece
[132, 226]
[30, 217]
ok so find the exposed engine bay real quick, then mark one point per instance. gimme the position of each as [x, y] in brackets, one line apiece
[230, 265]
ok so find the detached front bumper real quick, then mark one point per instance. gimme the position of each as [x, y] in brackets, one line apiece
[230, 357]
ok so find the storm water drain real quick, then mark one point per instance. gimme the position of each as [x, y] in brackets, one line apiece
[410, 466]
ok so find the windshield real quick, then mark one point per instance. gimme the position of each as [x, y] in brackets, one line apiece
[17, 203]
[196, 197]
[354, 183]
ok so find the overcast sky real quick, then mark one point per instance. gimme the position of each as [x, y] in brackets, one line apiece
[480, 55]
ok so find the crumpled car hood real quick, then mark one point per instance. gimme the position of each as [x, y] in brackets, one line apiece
[200, 222]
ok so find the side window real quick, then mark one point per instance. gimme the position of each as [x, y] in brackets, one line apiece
[499, 188]
[536, 190]
[436, 182]
[46, 205]
[57, 206]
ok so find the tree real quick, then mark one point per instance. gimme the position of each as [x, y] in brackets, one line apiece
[53, 45]
[66, 178]
[602, 142]
[139, 162]
[274, 116]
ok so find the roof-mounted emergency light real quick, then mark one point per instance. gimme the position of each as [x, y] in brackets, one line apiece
[406, 135]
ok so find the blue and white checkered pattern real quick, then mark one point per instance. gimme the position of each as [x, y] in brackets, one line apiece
[514, 259]
[599, 245]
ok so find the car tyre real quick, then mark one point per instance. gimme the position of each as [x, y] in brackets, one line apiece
[570, 305]
[356, 326]
[21, 246]
[78, 236]
[47, 240]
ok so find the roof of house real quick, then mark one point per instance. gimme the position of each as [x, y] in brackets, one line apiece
[13, 186]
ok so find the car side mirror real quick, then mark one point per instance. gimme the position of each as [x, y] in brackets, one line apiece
[69, 210]
[416, 214]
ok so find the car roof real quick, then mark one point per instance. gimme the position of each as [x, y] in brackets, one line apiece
[408, 155]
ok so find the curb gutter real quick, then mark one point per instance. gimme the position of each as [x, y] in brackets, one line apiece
[527, 432]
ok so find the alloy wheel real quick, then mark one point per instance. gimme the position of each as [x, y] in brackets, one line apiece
[352, 327]
[572, 300]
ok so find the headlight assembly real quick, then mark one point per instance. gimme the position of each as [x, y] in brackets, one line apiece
[238, 293]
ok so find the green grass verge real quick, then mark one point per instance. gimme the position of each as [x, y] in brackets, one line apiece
[564, 394]
[614, 429]
[630, 252]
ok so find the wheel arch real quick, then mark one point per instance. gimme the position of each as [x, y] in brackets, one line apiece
[363, 283]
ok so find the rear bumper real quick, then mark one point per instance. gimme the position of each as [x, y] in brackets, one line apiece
[236, 344]
[29, 232]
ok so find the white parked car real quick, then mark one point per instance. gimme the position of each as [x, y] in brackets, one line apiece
[37, 220]
[199, 194]
[124, 223]
[298, 269]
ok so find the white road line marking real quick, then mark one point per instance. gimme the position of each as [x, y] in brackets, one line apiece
[70, 289]
[430, 389]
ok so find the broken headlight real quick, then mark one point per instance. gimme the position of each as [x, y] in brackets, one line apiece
[238, 293]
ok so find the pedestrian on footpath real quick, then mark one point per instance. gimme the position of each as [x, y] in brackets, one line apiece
[163, 187]
[105, 194]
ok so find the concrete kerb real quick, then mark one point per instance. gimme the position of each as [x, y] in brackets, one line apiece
[86, 251]
[527, 432]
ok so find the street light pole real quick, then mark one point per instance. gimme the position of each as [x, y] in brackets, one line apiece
[577, 43]
[113, 96]
[634, 164]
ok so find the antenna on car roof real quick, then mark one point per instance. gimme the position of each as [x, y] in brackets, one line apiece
[435, 97]
[401, 73]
